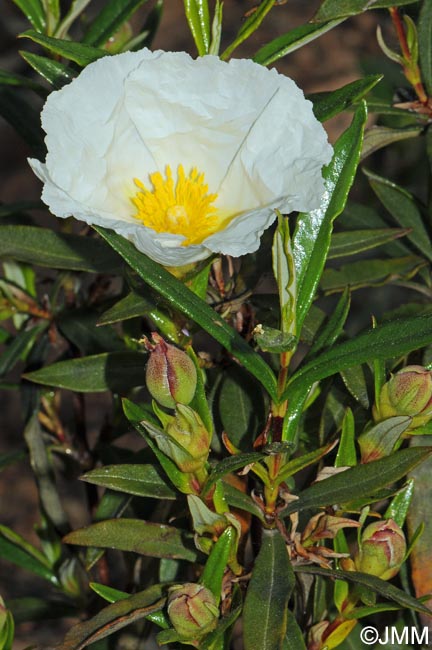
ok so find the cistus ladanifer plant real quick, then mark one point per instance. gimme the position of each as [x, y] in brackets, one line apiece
[201, 256]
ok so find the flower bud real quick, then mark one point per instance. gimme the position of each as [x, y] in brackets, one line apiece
[192, 610]
[382, 549]
[188, 431]
[171, 375]
[409, 392]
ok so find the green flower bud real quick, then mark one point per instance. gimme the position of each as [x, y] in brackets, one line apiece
[188, 431]
[171, 375]
[409, 392]
[192, 610]
[382, 549]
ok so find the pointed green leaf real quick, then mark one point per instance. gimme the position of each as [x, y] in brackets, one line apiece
[56, 73]
[425, 43]
[216, 564]
[15, 549]
[355, 381]
[242, 501]
[113, 618]
[329, 104]
[333, 9]
[108, 20]
[198, 17]
[356, 241]
[285, 276]
[44, 247]
[115, 371]
[78, 52]
[361, 480]
[230, 464]
[346, 455]
[293, 40]
[12, 79]
[297, 464]
[20, 347]
[137, 536]
[334, 326]
[312, 237]
[378, 137]
[249, 26]
[182, 299]
[130, 306]
[399, 505]
[34, 12]
[265, 613]
[140, 480]
[294, 639]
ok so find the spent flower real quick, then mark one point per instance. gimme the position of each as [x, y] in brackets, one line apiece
[183, 157]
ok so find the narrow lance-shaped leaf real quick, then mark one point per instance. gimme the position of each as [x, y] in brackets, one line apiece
[425, 43]
[113, 618]
[250, 25]
[137, 536]
[140, 480]
[312, 237]
[108, 20]
[198, 17]
[183, 300]
[293, 40]
[378, 137]
[265, 609]
[333, 9]
[356, 241]
[284, 272]
[359, 481]
[34, 12]
[329, 104]
[56, 73]
[15, 549]
[78, 52]
[214, 569]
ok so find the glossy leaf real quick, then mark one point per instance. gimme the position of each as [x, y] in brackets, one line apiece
[47, 248]
[131, 306]
[293, 40]
[377, 585]
[361, 480]
[355, 382]
[215, 566]
[334, 326]
[108, 20]
[297, 464]
[137, 536]
[425, 43]
[329, 104]
[108, 593]
[15, 549]
[242, 501]
[116, 371]
[182, 299]
[249, 26]
[403, 208]
[400, 504]
[386, 341]
[333, 9]
[34, 12]
[198, 17]
[140, 480]
[265, 610]
[113, 618]
[231, 464]
[56, 73]
[80, 53]
[311, 239]
[353, 242]
[378, 137]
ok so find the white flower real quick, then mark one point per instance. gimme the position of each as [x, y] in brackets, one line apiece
[183, 157]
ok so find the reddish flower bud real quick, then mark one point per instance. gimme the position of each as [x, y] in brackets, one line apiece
[193, 610]
[171, 375]
[409, 392]
[382, 549]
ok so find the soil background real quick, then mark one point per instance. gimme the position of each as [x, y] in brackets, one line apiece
[335, 59]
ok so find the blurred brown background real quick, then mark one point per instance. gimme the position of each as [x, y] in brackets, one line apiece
[331, 61]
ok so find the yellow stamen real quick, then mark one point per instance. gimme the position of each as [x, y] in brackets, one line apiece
[181, 209]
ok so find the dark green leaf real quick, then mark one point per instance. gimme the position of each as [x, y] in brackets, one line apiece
[215, 566]
[141, 480]
[15, 549]
[108, 593]
[333, 9]
[357, 241]
[19, 348]
[116, 371]
[250, 25]
[113, 618]
[361, 480]
[294, 637]
[265, 609]
[403, 208]
[112, 504]
[400, 504]
[242, 501]
[230, 464]
[346, 455]
[56, 73]
[34, 12]
[198, 17]
[378, 137]
[334, 326]
[392, 339]
[23, 118]
[355, 381]
[370, 273]
[78, 52]
[377, 585]
[296, 464]
[108, 20]
[424, 26]
[130, 306]
[182, 299]
[13, 79]
[137, 536]
[312, 237]
[45, 247]
[329, 104]
[79, 327]
[293, 40]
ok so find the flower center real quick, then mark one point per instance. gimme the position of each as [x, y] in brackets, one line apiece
[183, 208]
